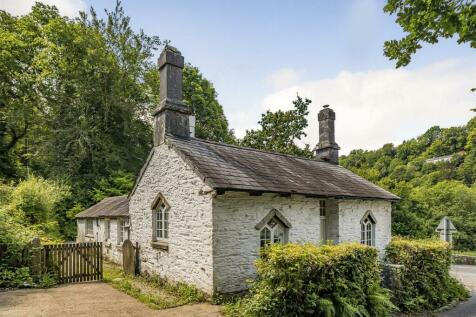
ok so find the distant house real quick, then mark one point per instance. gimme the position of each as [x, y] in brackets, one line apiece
[200, 211]
[444, 158]
[107, 222]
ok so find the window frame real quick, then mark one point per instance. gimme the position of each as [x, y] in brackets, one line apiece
[323, 213]
[160, 235]
[273, 214]
[273, 232]
[89, 227]
[120, 230]
[107, 229]
[367, 229]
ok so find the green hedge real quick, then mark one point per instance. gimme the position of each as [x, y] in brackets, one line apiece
[424, 282]
[307, 280]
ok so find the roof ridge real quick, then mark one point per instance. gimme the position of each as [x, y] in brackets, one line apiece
[252, 149]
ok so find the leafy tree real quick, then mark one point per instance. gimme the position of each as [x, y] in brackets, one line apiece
[117, 184]
[280, 130]
[76, 97]
[427, 21]
[428, 190]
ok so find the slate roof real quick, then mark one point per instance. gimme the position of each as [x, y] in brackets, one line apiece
[108, 207]
[228, 167]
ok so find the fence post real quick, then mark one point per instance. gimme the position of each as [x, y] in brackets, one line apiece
[36, 257]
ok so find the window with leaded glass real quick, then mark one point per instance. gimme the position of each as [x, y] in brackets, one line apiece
[120, 230]
[160, 218]
[272, 232]
[367, 230]
[89, 227]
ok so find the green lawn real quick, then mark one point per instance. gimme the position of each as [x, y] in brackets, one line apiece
[470, 253]
[153, 291]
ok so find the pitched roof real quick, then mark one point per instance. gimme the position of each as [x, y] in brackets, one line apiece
[229, 167]
[108, 207]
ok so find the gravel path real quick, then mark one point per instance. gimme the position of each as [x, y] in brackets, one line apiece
[467, 275]
[89, 299]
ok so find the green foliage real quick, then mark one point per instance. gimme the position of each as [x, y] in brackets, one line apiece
[280, 130]
[76, 97]
[307, 280]
[153, 291]
[425, 282]
[428, 190]
[117, 184]
[200, 95]
[427, 21]
[15, 277]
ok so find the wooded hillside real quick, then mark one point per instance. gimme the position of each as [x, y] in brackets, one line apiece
[429, 190]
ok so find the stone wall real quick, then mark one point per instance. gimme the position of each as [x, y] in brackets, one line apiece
[189, 254]
[112, 249]
[351, 213]
[237, 242]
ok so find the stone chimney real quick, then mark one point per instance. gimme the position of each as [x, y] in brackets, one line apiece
[327, 148]
[172, 115]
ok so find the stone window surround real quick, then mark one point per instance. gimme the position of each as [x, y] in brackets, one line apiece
[158, 243]
[369, 215]
[274, 213]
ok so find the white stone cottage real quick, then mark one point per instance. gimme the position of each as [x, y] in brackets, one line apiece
[107, 222]
[201, 210]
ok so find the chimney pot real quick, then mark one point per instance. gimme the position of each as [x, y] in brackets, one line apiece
[327, 149]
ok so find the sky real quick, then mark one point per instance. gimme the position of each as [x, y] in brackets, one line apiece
[260, 54]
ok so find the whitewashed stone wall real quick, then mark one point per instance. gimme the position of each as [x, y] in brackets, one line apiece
[112, 250]
[351, 213]
[189, 256]
[237, 242]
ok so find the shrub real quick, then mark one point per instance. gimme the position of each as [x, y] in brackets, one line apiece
[307, 280]
[424, 280]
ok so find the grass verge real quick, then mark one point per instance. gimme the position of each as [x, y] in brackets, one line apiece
[470, 253]
[155, 292]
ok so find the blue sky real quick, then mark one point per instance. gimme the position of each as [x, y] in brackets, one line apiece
[259, 52]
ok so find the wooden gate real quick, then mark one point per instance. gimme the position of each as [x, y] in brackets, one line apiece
[73, 262]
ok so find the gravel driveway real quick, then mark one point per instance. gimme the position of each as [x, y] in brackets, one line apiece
[467, 275]
[88, 299]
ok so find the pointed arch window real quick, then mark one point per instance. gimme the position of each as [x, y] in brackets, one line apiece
[273, 228]
[367, 229]
[160, 218]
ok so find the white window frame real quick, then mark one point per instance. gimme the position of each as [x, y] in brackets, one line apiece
[120, 230]
[323, 220]
[277, 232]
[160, 219]
[89, 227]
[107, 229]
[367, 229]
[280, 229]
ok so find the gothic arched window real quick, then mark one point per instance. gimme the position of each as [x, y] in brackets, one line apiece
[367, 229]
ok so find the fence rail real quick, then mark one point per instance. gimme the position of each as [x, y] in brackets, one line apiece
[73, 262]
[68, 262]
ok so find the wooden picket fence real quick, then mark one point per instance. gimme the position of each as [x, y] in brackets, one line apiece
[69, 262]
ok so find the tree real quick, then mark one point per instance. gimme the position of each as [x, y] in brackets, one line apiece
[76, 97]
[280, 130]
[427, 21]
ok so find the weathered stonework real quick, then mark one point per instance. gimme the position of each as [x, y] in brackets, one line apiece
[111, 248]
[351, 213]
[236, 241]
[189, 255]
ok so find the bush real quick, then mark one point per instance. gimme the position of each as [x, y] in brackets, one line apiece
[424, 280]
[307, 280]
[14, 277]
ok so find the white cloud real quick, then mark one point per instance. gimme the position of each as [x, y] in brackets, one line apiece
[382, 106]
[283, 78]
[21, 7]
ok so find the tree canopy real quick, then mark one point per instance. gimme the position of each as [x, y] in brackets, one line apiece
[280, 130]
[76, 97]
[429, 189]
[426, 21]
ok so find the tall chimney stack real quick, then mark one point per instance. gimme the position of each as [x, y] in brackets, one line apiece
[172, 115]
[327, 148]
